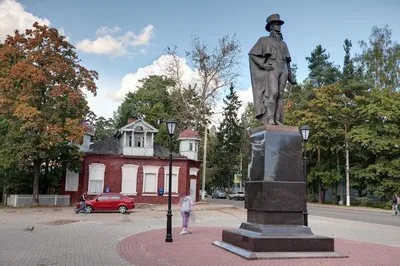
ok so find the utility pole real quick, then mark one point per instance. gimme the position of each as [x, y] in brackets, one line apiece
[240, 169]
[203, 181]
[346, 139]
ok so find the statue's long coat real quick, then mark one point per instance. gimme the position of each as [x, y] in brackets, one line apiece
[265, 48]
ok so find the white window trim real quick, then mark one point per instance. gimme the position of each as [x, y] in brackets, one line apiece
[175, 171]
[135, 168]
[93, 166]
[172, 195]
[68, 176]
[150, 195]
[193, 171]
[150, 169]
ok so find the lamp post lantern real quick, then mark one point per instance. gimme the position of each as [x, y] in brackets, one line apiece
[171, 124]
[305, 133]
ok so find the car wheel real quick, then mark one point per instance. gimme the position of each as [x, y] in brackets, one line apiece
[89, 209]
[122, 209]
[236, 198]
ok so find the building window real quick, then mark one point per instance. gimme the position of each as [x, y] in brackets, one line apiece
[130, 141]
[196, 148]
[150, 179]
[129, 179]
[175, 179]
[96, 178]
[190, 146]
[138, 142]
[71, 181]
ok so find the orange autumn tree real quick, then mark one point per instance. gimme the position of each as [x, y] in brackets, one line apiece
[42, 98]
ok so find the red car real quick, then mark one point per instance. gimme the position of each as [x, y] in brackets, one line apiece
[110, 202]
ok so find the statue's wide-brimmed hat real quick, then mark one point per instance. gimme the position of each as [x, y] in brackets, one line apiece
[271, 19]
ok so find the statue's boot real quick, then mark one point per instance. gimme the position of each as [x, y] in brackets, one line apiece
[271, 113]
[279, 113]
[263, 118]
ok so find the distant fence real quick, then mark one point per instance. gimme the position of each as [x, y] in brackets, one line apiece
[44, 200]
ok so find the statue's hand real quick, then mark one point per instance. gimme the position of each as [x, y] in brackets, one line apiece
[268, 67]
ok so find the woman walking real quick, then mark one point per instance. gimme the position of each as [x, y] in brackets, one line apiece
[395, 204]
[186, 204]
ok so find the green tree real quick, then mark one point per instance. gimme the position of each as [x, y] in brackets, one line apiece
[227, 150]
[151, 102]
[41, 96]
[104, 128]
[322, 72]
[378, 140]
[380, 59]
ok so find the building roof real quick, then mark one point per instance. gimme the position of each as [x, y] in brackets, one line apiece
[110, 146]
[189, 133]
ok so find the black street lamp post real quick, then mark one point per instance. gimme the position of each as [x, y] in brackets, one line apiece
[305, 133]
[171, 124]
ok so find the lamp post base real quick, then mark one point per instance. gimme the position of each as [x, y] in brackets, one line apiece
[169, 227]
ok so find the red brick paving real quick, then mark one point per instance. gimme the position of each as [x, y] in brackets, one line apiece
[149, 248]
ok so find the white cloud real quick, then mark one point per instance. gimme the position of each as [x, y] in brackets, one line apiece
[103, 45]
[106, 30]
[108, 44]
[14, 17]
[130, 82]
[144, 37]
[245, 96]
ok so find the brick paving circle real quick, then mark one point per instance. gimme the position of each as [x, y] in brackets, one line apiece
[149, 248]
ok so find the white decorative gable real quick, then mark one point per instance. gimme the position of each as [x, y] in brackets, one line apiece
[136, 138]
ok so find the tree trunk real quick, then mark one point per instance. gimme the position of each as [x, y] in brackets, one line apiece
[320, 196]
[36, 183]
[4, 197]
[334, 190]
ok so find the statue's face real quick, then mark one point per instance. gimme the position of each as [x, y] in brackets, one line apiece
[276, 27]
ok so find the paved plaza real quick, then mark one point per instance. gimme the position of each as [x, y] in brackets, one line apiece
[61, 237]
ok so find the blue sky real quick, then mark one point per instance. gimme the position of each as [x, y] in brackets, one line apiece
[155, 24]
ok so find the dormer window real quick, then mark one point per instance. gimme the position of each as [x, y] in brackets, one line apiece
[130, 141]
[190, 146]
[138, 142]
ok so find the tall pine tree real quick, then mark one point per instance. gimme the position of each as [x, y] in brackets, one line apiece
[226, 154]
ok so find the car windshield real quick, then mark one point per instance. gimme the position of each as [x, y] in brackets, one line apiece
[240, 192]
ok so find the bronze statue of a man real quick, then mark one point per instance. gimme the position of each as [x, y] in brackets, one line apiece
[270, 71]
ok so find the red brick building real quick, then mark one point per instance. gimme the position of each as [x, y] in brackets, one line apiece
[131, 163]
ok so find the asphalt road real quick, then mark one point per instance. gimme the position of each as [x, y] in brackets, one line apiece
[346, 214]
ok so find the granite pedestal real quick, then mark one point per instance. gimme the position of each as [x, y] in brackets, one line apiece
[275, 201]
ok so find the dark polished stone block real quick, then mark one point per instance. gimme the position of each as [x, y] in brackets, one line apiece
[276, 196]
[285, 218]
[294, 242]
[248, 255]
[276, 230]
[275, 154]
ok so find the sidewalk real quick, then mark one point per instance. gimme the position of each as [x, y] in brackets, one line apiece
[61, 237]
[352, 208]
[150, 248]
